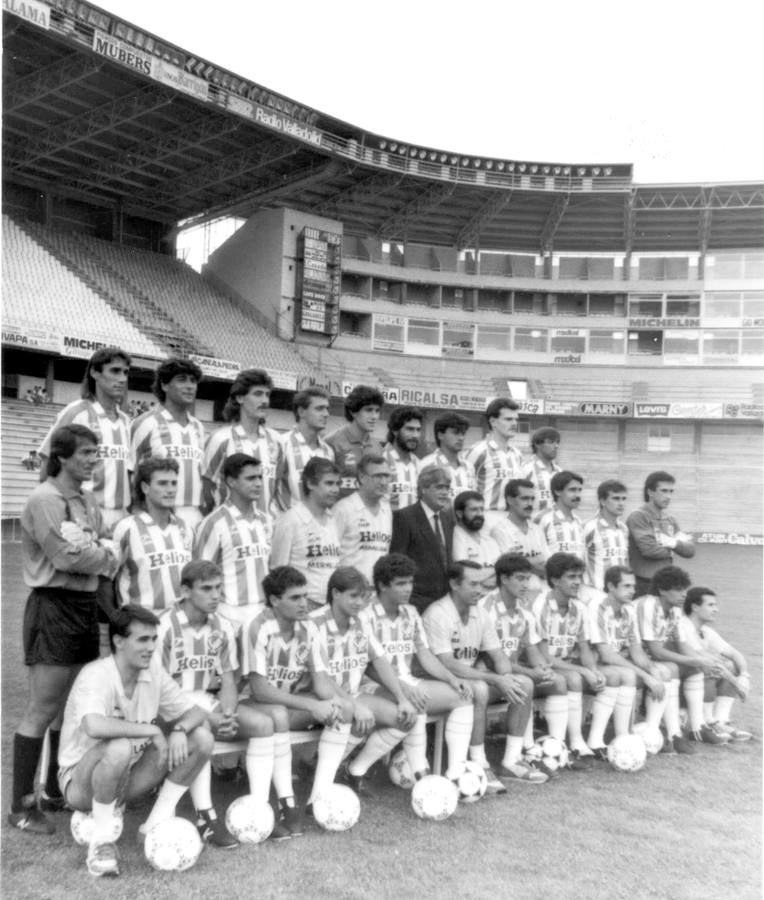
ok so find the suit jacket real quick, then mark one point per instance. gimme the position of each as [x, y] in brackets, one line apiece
[414, 537]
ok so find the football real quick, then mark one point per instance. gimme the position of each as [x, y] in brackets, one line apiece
[551, 752]
[249, 821]
[81, 825]
[627, 753]
[434, 798]
[337, 808]
[653, 737]
[173, 845]
[399, 770]
[471, 783]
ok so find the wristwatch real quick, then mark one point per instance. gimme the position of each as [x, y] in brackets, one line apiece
[179, 727]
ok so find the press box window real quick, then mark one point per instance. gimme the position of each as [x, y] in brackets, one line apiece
[659, 439]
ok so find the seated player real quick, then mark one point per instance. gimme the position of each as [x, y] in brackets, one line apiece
[289, 681]
[115, 748]
[519, 638]
[614, 634]
[562, 626]
[198, 649]
[696, 636]
[458, 630]
[398, 627]
[658, 615]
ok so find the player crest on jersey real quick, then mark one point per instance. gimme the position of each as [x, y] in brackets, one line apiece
[215, 643]
[571, 625]
[301, 653]
[359, 642]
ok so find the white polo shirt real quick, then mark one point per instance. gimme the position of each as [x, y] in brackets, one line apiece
[311, 546]
[364, 535]
[447, 633]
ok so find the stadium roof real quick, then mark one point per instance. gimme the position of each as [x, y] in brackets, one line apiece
[99, 110]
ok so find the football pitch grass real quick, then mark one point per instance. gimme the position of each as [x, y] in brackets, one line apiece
[684, 827]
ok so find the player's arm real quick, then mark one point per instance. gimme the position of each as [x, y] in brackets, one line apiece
[320, 707]
[388, 679]
[503, 679]
[642, 532]
[228, 696]
[589, 665]
[433, 667]
[658, 651]
[66, 545]
[647, 673]
[538, 664]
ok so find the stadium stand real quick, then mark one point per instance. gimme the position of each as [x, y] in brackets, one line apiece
[23, 428]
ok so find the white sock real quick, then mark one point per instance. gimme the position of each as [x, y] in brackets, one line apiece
[575, 738]
[458, 733]
[624, 705]
[415, 745]
[259, 764]
[201, 788]
[556, 715]
[379, 742]
[654, 710]
[331, 747]
[723, 708]
[693, 695]
[708, 711]
[528, 733]
[477, 755]
[604, 703]
[671, 712]
[513, 750]
[103, 813]
[353, 741]
[282, 765]
[164, 805]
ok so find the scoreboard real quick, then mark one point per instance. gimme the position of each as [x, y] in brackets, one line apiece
[318, 280]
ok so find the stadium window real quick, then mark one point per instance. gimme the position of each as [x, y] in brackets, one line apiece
[722, 305]
[646, 305]
[531, 339]
[724, 265]
[570, 305]
[573, 267]
[659, 439]
[423, 331]
[388, 333]
[721, 343]
[752, 342]
[645, 343]
[574, 342]
[753, 266]
[606, 305]
[651, 268]
[681, 343]
[677, 267]
[606, 341]
[493, 338]
[682, 306]
[753, 305]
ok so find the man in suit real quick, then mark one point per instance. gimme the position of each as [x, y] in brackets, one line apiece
[424, 531]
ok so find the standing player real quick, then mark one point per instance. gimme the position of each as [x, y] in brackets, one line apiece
[449, 431]
[62, 557]
[404, 432]
[152, 545]
[654, 534]
[540, 469]
[248, 403]
[606, 537]
[471, 539]
[289, 681]
[306, 536]
[112, 749]
[494, 459]
[355, 440]
[563, 530]
[198, 649]
[303, 442]
[383, 718]
[399, 629]
[364, 519]
[171, 432]
[237, 537]
[458, 630]
[516, 532]
[563, 628]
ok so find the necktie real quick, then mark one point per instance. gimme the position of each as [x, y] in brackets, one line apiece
[440, 539]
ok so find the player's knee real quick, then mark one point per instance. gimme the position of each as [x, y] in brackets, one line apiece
[279, 716]
[574, 682]
[671, 669]
[201, 741]
[117, 754]
[628, 678]
[525, 684]
[254, 723]
[558, 685]
[480, 694]
[347, 709]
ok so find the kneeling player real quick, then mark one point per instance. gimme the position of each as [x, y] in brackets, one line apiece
[458, 630]
[516, 628]
[289, 682]
[398, 627]
[384, 719]
[697, 637]
[614, 634]
[112, 751]
[198, 649]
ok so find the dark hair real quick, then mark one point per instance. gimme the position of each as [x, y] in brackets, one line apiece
[653, 480]
[246, 379]
[315, 469]
[398, 418]
[63, 445]
[512, 487]
[495, 407]
[279, 580]
[694, 597]
[346, 578]
[362, 395]
[669, 578]
[449, 420]
[461, 500]
[561, 480]
[456, 570]
[614, 575]
[509, 563]
[547, 433]
[559, 563]
[199, 570]
[233, 464]
[303, 399]
[370, 459]
[391, 566]
[171, 368]
[611, 486]
[143, 472]
[121, 620]
[96, 363]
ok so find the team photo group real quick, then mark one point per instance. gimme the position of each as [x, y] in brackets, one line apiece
[195, 590]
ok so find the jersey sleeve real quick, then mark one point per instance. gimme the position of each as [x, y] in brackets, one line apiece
[173, 702]
[643, 534]
[531, 636]
[646, 618]
[281, 548]
[420, 635]
[317, 656]
[254, 656]
[140, 436]
[438, 630]
[489, 639]
[214, 454]
[206, 540]
[228, 657]
[597, 626]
